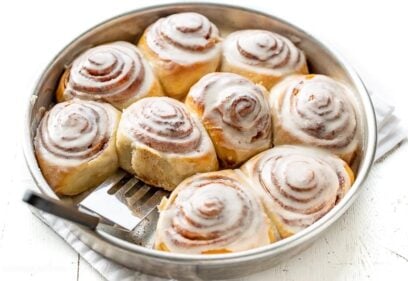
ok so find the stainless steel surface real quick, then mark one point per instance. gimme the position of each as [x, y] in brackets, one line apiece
[126, 250]
[123, 200]
[141, 232]
[56, 207]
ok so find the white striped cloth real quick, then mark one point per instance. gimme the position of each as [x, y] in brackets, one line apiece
[390, 130]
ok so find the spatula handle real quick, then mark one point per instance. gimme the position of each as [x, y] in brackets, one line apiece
[55, 207]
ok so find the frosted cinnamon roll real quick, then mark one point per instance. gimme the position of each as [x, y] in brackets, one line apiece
[262, 56]
[75, 145]
[298, 185]
[115, 73]
[212, 213]
[162, 144]
[182, 48]
[235, 113]
[315, 110]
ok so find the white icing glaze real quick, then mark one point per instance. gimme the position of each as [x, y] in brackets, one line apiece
[318, 111]
[298, 184]
[236, 106]
[263, 51]
[165, 125]
[184, 38]
[213, 211]
[74, 132]
[114, 72]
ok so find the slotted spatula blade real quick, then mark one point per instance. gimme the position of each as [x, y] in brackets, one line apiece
[123, 199]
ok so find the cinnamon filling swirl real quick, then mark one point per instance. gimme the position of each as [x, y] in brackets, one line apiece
[264, 49]
[163, 124]
[300, 184]
[318, 111]
[112, 72]
[173, 36]
[77, 130]
[211, 212]
[236, 105]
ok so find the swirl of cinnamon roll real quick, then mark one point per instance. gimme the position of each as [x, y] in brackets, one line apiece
[315, 110]
[163, 124]
[75, 145]
[298, 185]
[236, 114]
[161, 143]
[184, 38]
[212, 213]
[76, 130]
[262, 56]
[115, 73]
[264, 51]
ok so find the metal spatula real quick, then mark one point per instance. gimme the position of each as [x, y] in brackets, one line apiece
[122, 200]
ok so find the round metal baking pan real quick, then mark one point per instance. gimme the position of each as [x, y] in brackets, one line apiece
[129, 26]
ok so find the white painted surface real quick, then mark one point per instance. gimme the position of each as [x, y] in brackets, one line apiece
[370, 242]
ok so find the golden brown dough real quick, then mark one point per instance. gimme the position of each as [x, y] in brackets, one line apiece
[181, 48]
[162, 144]
[235, 113]
[75, 145]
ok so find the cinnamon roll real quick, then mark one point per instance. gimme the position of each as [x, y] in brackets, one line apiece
[315, 110]
[75, 145]
[298, 185]
[115, 73]
[162, 144]
[182, 48]
[212, 213]
[235, 113]
[262, 56]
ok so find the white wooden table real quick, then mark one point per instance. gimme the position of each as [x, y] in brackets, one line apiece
[370, 242]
